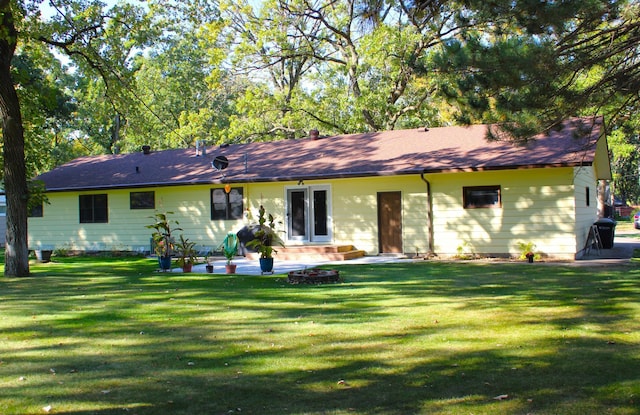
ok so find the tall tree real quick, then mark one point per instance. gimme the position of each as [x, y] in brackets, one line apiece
[270, 61]
[541, 63]
[15, 180]
[102, 42]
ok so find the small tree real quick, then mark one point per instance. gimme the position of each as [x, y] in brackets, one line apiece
[163, 240]
[186, 252]
[265, 236]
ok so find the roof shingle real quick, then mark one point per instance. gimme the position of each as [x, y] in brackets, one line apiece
[395, 152]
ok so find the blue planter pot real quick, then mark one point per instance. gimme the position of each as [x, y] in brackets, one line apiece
[266, 265]
[165, 262]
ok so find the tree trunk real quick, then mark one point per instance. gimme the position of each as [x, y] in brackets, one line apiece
[15, 176]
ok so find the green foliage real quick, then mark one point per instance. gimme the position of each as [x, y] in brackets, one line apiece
[162, 235]
[528, 249]
[624, 142]
[266, 235]
[394, 339]
[230, 246]
[37, 194]
[465, 251]
[185, 249]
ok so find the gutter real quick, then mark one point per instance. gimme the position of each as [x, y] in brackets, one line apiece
[429, 214]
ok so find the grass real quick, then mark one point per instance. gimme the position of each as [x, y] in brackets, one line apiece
[111, 336]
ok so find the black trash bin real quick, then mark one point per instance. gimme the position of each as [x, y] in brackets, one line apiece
[606, 229]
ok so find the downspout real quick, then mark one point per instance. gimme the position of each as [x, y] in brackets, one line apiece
[429, 215]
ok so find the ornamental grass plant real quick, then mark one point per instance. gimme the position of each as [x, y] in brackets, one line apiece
[112, 336]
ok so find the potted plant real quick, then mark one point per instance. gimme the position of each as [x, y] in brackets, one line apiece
[209, 267]
[186, 253]
[230, 250]
[265, 237]
[162, 238]
[527, 251]
[43, 253]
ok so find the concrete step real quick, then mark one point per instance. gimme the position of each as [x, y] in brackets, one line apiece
[315, 252]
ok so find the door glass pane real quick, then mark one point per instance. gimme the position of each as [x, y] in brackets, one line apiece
[320, 213]
[298, 214]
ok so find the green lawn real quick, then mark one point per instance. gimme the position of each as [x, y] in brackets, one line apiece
[111, 336]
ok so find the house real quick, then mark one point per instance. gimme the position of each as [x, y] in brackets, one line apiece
[444, 191]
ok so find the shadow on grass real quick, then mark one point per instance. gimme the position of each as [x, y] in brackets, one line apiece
[401, 338]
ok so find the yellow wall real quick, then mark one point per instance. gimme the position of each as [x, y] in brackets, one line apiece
[539, 205]
[353, 208]
[586, 211]
[60, 228]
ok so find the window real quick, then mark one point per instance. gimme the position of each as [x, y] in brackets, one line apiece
[36, 211]
[225, 205]
[93, 209]
[3, 205]
[587, 196]
[142, 200]
[481, 197]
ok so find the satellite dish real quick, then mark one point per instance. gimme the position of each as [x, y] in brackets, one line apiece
[220, 163]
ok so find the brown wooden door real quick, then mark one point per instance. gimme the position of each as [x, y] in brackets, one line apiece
[390, 222]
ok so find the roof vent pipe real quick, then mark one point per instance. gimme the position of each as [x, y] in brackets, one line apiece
[314, 134]
[146, 150]
[201, 149]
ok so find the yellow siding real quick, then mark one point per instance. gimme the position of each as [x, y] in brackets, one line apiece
[354, 208]
[537, 206]
[541, 206]
[356, 218]
[60, 228]
[586, 211]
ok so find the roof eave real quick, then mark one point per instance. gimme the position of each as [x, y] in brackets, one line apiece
[494, 168]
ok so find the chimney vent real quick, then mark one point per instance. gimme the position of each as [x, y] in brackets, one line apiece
[146, 150]
[314, 134]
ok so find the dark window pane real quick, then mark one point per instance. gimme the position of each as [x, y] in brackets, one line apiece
[320, 212]
[218, 204]
[86, 209]
[298, 209]
[586, 195]
[100, 211]
[142, 200]
[93, 209]
[481, 197]
[36, 211]
[226, 206]
[235, 203]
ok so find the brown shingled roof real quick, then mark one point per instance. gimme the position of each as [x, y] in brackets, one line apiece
[355, 155]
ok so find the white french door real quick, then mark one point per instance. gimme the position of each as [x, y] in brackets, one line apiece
[309, 213]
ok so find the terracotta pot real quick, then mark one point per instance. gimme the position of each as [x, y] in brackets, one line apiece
[231, 268]
[187, 267]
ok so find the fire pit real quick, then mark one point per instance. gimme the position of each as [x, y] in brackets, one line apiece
[314, 276]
